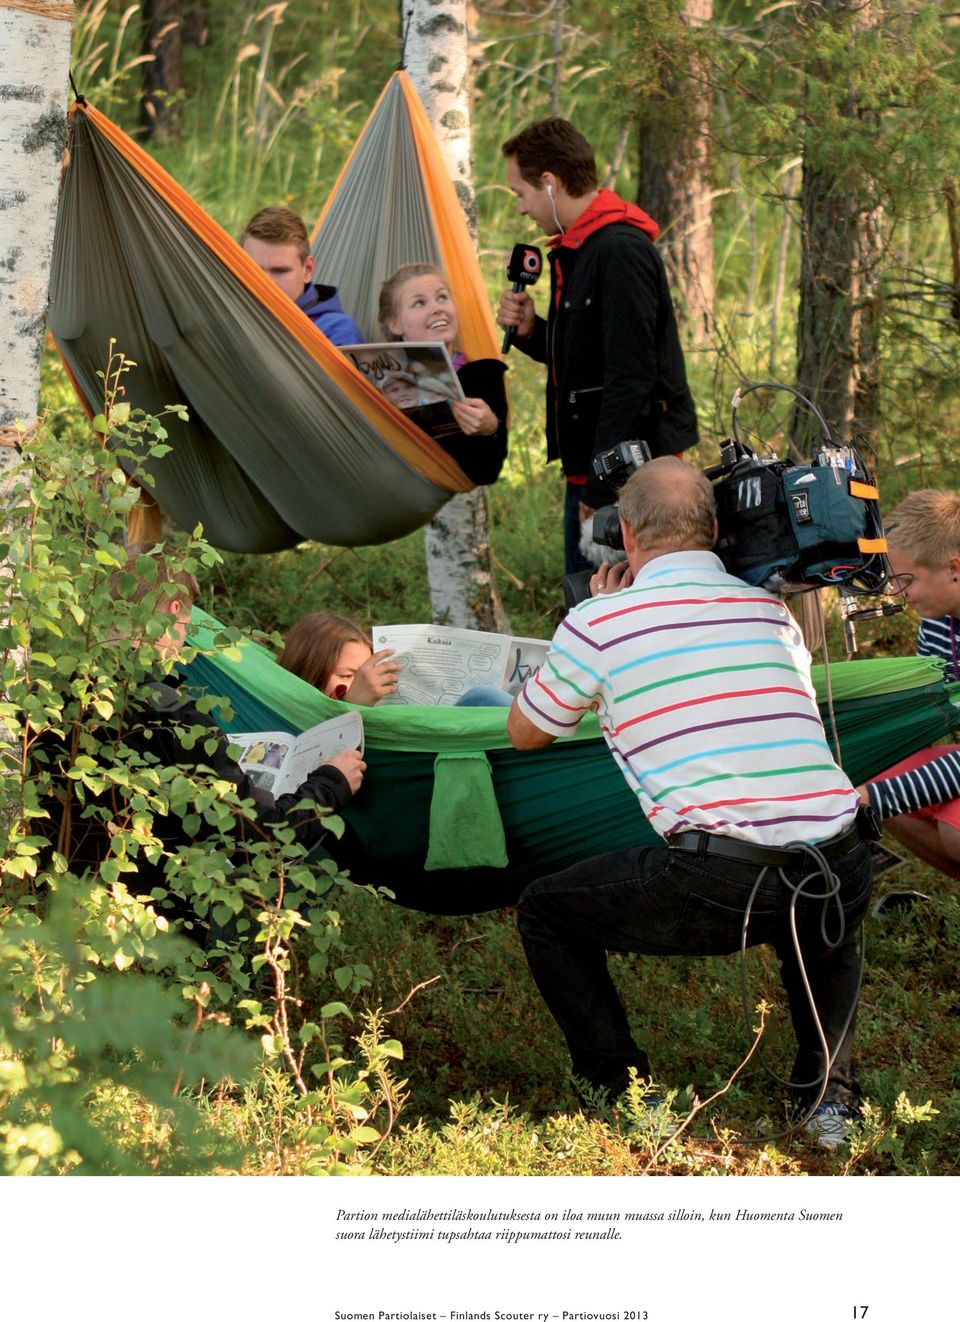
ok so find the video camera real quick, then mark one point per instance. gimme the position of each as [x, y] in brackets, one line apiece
[614, 467]
[786, 527]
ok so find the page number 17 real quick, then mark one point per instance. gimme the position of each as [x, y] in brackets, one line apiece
[860, 1311]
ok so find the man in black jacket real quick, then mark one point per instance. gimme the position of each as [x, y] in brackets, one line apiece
[615, 369]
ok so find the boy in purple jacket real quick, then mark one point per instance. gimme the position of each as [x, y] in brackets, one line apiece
[276, 239]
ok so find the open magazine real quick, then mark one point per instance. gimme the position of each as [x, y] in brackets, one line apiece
[417, 377]
[278, 762]
[439, 665]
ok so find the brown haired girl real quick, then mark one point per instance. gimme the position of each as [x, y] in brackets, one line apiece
[332, 653]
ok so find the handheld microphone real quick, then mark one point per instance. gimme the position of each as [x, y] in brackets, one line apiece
[524, 267]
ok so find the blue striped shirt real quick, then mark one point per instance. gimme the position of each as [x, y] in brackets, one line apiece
[938, 638]
[934, 782]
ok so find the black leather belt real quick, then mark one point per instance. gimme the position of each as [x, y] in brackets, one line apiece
[725, 846]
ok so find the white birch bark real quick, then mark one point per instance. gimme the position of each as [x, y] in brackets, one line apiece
[459, 556]
[34, 62]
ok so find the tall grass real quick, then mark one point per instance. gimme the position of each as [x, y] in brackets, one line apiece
[106, 60]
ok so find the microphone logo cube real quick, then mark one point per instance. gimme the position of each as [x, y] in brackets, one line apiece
[526, 263]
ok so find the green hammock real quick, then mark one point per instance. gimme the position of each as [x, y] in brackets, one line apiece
[454, 820]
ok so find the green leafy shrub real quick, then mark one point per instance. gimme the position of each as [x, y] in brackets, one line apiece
[148, 920]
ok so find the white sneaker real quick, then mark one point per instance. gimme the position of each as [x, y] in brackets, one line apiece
[831, 1123]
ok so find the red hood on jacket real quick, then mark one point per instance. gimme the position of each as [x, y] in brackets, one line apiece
[605, 209]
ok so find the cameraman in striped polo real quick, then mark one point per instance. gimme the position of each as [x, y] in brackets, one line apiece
[702, 687]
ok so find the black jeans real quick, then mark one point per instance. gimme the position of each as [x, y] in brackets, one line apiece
[573, 559]
[662, 901]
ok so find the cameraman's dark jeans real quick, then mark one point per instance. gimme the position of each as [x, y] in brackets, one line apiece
[663, 901]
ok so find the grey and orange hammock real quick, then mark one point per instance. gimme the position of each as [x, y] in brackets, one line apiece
[454, 820]
[285, 440]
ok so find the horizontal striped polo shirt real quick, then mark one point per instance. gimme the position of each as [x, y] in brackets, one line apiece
[703, 690]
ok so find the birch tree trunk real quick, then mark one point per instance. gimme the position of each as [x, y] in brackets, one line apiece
[460, 573]
[34, 63]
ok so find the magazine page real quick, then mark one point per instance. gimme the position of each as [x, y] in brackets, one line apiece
[278, 762]
[523, 1248]
[410, 375]
[263, 755]
[526, 656]
[440, 665]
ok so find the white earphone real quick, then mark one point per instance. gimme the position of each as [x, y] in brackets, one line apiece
[549, 188]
